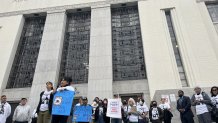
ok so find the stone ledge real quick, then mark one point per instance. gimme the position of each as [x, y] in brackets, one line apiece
[198, 1]
[16, 94]
[66, 7]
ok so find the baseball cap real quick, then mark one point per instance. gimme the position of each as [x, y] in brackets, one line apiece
[84, 98]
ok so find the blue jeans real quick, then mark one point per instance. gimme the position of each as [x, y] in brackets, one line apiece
[100, 119]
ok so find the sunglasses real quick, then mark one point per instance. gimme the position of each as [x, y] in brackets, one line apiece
[214, 90]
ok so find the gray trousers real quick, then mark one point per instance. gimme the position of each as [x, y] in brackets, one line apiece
[204, 118]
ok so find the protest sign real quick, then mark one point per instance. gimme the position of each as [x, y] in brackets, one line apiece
[114, 108]
[62, 103]
[167, 98]
[82, 114]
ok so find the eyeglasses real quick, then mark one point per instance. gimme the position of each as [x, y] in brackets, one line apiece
[214, 90]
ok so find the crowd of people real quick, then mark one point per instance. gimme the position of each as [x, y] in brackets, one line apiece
[132, 111]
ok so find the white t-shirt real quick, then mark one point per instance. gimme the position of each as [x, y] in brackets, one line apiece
[142, 109]
[164, 106]
[5, 111]
[45, 100]
[125, 108]
[132, 117]
[202, 108]
[69, 88]
[101, 110]
[155, 114]
[214, 100]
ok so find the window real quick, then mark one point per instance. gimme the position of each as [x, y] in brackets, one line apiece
[176, 50]
[75, 55]
[24, 64]
[213, 11]
[128, 54]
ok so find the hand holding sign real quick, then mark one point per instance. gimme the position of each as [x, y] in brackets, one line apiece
[62, 103]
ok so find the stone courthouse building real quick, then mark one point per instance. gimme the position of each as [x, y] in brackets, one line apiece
[126, 47]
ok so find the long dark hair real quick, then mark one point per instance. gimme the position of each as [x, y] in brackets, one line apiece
[211, 90]
[105, 99]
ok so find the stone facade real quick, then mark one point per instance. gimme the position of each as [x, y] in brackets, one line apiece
[100, 60]
[195, 32]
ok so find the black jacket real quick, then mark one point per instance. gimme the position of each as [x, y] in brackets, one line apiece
[160, 112]
[186, 104]
[106, 119]
[167, 115]
[49, 105]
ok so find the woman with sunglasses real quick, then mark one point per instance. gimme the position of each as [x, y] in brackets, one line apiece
[214, 100]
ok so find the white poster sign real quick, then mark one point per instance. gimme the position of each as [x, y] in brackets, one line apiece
[167, 98]
[114, 108]
[172, 98]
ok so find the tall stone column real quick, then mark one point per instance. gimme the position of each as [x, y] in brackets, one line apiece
[48, 63]
[100, 61]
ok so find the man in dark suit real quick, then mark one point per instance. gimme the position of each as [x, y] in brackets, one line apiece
[184, 107]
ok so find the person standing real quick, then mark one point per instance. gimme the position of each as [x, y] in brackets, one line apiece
[167, 115]
[214, 101]
[132, 111]
[85, 103]
[125, 112]
[202, 103]
[184, 107]
[94, 106]
[44, 107]
[100, 113]
[105, 102]
[117, 120]
[65, 86]
[164, 105]
[155, 113]
[142, 110]
[22, 112]
[5, 109]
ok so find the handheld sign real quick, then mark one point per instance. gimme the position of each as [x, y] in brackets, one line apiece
[114, 108]
[62, 103]
[82, 114]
